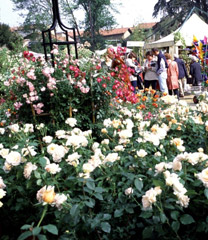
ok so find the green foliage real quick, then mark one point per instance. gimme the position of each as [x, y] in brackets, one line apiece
[97, 18]
[38, 17]
[11, 40]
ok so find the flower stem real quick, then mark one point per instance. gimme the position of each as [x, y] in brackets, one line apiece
[43, 215]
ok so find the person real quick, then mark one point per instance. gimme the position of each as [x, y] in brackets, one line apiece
[161, 70]
[130, 63]
[172, 76]
[139, 74]
[182, 75]
[150, 75]
[195, 71]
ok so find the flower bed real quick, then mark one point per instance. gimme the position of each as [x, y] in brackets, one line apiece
[143, 175]
[146, 177]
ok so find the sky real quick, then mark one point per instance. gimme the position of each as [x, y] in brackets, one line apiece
[130, 13]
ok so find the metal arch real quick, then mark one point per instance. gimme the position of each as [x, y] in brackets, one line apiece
[57, 20]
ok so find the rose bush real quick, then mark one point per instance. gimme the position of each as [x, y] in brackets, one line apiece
[146, 177]
[79, 88]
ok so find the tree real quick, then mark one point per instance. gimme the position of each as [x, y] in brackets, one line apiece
[174, 12]
[97, 16]
[10, 39]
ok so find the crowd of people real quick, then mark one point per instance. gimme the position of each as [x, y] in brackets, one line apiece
[160, 72]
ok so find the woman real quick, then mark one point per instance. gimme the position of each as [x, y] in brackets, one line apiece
[130, 63]
[172, 76]
[150, 75]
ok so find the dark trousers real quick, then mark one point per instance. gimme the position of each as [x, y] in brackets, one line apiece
[148, 83]
[174, 91]
[134, 84]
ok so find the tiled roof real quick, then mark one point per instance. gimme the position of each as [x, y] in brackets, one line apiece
[111, 32]
[117, 31]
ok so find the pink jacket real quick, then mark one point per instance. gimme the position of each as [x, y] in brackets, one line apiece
[172, 72]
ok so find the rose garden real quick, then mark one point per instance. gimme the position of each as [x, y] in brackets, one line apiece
[83, 157]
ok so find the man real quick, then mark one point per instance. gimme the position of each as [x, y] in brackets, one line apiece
[195, 71]
[161, 70]
[182, 75]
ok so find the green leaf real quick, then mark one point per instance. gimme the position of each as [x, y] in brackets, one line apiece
[74, 210]
[51, 228]
[106, 227]
[37, 174]
[159, 183]
[36, 231]
[175, 226]
[99, 190]
[25, 235]
[118, 213]
[90, 203]
[186, 219]
[106, 217]
[26, 226]
[163, 218]
[41, 237]
[98, 196]
[146, 214]
[206, 193]
[138, 184]
[39, 182]
[174, 215]
[42, 162]
[90, 185]
[147, 232]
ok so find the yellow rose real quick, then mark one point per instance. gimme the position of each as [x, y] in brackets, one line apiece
[49, 195]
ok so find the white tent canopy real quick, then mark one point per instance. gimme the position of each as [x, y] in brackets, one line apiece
[194, 26]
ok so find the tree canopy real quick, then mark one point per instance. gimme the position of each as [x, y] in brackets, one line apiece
[9, 39]
[98, 16]
[174, 12]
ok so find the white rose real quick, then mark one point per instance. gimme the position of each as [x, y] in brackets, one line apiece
[29, 167]
[119, 148]
[105, 141]
[71, 122]
[52, 168]
[2, 193]
[146, 203]
[58, 153]
[47, 139]
[2, 185]
[4, 152]
[141, 153]
[2, 131]
[160, 167]
[87, 168]
[129, 191]
[14, 128]
[51, 148]
[13, 158]
[60, 134]
[111, 157]
[40, 126]
[203, 176]
[59, 200]
[200, 150]
[177, 166]
[95, 146]
[28, 128]
[157, 154]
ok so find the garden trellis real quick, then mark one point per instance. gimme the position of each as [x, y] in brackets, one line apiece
[51, 42]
